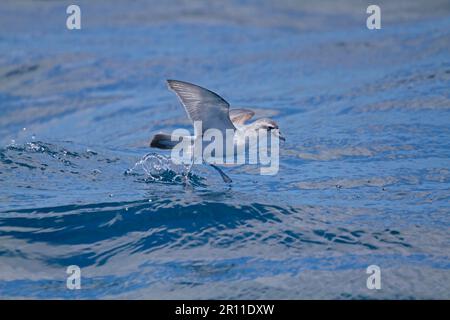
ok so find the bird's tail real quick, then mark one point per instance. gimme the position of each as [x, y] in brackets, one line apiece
[164, 141]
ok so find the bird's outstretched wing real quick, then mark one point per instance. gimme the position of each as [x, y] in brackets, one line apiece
[240, 116]
[203, 105]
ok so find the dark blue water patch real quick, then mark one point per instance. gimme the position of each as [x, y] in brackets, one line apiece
[164, 225]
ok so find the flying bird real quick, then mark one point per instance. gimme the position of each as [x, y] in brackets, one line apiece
[214, 112]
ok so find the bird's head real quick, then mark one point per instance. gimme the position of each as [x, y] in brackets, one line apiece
[270, 126]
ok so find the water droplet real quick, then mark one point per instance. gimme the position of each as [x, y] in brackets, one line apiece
[33, 136]
[126, 208]
[24, 129]
[149, 200]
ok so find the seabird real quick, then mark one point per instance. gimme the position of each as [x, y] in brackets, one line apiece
[214, 112]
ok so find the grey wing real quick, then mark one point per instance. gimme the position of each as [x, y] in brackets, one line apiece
[240, 116]
[203, 105]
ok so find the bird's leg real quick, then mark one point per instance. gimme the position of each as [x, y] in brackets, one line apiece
[225, 178]
[188, 169]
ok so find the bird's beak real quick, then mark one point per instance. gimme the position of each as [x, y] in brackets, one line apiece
[278, 134]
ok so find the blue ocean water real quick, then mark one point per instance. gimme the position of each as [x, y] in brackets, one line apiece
[364, 174]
